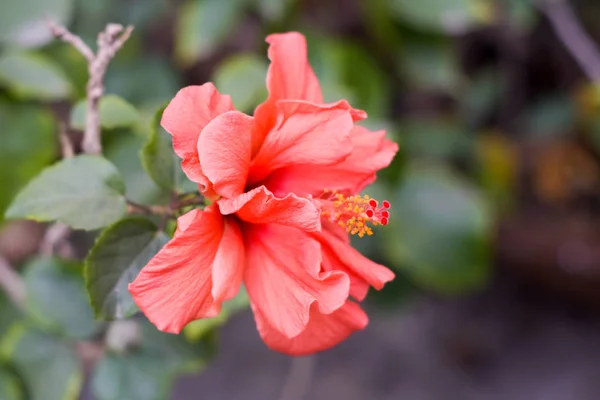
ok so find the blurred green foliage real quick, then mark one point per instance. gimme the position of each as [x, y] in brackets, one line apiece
[410, 64]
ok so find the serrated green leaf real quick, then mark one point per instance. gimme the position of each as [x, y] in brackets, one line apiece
[436, 210]
[56, 298]
[158, 157]
[28, 141]
[137, 376]
[203, 25]
[119, 254]
[84, 192]
[49, 366]
[10, 386]
[243, 77]
[33, 76]
[23, 22]
[114, 113]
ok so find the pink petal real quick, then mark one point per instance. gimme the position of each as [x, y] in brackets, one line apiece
[358, 286]
[175, 287]
[321, 333]
[290, 77]
[224, 148]
[371, 152]
[306, 134]
[260, 206]
[227, 271]
[349, 259]
[283, 279]
[184, 118]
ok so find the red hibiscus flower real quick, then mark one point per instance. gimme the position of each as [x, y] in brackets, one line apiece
[283, 188]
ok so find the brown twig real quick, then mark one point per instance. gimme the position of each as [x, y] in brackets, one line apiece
[168, 211]
[12, 283]
[109, 42]
[569, 30]
[66, 146]
[136, 208]
[55, 241]
[62, 33]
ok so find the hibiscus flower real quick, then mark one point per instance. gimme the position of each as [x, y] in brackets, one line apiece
[283, 188]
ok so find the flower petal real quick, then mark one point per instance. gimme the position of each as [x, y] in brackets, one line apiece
[175, 287]
[228, 265]
[350, 260]
[307, 134]
[283, 279]
[371, 151]
[358, 286]
[224, 148]
[290, 77]
[260, 206]
[184, 118]
[321, 333]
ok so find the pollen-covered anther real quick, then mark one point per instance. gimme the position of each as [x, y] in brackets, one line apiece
[354, 213]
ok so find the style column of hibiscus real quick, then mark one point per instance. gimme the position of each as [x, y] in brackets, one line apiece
[283, 188]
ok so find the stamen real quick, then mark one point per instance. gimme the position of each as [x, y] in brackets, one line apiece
[354, 212]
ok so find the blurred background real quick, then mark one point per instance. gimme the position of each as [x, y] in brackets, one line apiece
[495, 227]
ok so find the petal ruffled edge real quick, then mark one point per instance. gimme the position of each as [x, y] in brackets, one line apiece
[260, 206]
[289, 76]
[371, 152]
[185, 117]
[283, 277]
[306, 133]
[176, 286]
[225, 149]
[321, 333]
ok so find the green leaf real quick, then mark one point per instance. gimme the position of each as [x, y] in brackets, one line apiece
[56, 298]
[196, 330]
[443, 15]
[114, 113]
[8, 313]
[203, 25]
[273, 10]
[22, 22]
[347, 70]
[148, 372]
[140, 188]
[440, 138]
[137, 376]
[49, 366]
[33, 76]
[440, 232]
[178, 355]
[158, 157]
[130, 80]
[84, 192]
[243, 77]
[28, 145]
[119, 254]
[430, 65]
[10, 386]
